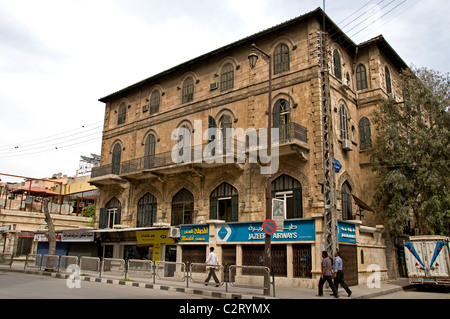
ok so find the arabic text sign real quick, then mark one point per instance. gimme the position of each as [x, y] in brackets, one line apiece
[194, 234]
[347, 232]
[294, 230]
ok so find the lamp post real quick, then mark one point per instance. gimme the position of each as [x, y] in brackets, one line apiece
[253, 58]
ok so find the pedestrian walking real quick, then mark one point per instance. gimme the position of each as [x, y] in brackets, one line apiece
[326, 275]
[213, 261]
[339, 273]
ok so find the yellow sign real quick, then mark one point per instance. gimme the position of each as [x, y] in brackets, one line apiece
[151, 237]
[155, 238]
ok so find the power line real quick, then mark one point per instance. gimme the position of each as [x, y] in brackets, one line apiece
[51, 150]
[380, 17]
[53, 142]
[27, 143]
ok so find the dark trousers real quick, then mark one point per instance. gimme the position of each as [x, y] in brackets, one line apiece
[212, 272]
[340, 280]
[330, 282]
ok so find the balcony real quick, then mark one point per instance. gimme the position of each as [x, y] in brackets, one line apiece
[293, 140]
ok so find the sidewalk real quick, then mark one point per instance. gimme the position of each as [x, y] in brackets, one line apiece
[358, 292]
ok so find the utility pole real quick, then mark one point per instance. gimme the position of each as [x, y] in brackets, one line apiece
[329, 183]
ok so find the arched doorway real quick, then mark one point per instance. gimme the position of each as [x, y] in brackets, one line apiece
[182, 208]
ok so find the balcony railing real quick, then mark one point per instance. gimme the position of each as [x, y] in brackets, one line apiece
[289, 133]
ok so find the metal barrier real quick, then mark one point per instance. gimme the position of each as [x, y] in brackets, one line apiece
[89, 265]
[114, 266]
[199, 272]
[6, 259]
[255, 280]
[140, 268]
[170, 270]
[66, 261]
[33, 261]
[50, 262]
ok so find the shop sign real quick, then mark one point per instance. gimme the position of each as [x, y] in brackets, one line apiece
[77, 236]
[293, 231]
[347, 232]
[194, 234]
[151, 237]
[154, 238]
[42, 237]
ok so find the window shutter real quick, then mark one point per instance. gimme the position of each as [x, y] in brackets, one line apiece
[103, 219]
[298, 209]
[234, 208]
[213, 208]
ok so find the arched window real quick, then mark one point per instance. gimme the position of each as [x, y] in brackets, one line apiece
[116, 158]
[281, 59]
[186, 133]
[155, 100]
[343, 125]
[150, 146]
[188, 90]
[282, 117]
[182, 208]
[110, 215]
[223, 203]
[361, 77]
[346, 201]
[146, 211]
[227, 77]
[387, 75]
[290, 190]
[365, 136]
[122, 114]
[337, 64]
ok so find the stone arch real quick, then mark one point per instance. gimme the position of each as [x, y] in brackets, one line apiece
[345, 177]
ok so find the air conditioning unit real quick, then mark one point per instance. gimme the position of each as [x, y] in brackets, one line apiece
[174, 232]
[214, 86]
[346, 83]
[346, 145]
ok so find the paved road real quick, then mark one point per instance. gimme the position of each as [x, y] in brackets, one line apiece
[419, 293]
[28, 286]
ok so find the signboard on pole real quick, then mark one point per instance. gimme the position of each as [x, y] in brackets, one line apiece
[278, 212]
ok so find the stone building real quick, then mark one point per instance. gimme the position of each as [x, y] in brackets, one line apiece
[142, 188]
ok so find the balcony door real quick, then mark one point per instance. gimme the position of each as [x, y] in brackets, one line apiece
[149, 159]
[116, 157]
[282, 118]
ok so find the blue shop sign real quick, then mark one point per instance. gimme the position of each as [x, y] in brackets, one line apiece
[194, 233]
[294, 230]
[347, 232]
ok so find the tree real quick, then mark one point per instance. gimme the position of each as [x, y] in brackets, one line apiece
[411, 155]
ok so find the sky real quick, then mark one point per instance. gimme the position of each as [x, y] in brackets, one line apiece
[58, 57]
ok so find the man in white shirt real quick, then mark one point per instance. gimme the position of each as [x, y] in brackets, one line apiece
[213, 261]
[339, 273]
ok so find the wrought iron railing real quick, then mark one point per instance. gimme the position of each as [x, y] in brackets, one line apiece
[288, 133]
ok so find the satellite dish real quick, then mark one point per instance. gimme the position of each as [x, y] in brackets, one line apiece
[29, 200]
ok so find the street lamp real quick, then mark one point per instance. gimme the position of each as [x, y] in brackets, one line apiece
[252, 59]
